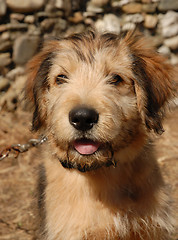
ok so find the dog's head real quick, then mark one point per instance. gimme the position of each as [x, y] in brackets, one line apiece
[97, 94]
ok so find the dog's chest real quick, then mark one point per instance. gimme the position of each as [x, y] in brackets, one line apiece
[72, 212]
[80, 221]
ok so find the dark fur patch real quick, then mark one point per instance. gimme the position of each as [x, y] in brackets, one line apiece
[110, 39]
[41, 195]
[152, 108]
[80, 54]
[82, 39]
[41, 84]
[87, 36]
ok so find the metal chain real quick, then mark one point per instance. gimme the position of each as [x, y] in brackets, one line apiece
[15, 149]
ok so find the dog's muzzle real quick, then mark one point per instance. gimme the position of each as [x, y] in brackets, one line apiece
[85, 154]
[83, 119]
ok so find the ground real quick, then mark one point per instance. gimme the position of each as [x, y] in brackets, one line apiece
[18, 175]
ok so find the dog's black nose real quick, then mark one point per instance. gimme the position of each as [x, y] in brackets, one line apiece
[83, 118]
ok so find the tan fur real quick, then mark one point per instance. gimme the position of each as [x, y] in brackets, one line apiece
[126, 201]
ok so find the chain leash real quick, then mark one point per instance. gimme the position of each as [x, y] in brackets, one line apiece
[16, 149]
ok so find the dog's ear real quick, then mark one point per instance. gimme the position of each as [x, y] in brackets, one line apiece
[38, 69]
[153, 80]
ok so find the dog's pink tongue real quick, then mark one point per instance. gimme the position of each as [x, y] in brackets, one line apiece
[86, 146]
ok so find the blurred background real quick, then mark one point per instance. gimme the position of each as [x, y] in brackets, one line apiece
[24, 24]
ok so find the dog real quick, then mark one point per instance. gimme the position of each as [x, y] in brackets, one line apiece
[99, 97]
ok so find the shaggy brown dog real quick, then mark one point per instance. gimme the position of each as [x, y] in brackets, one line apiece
[97, 98]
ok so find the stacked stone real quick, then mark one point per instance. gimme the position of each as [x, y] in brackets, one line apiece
[24, 24]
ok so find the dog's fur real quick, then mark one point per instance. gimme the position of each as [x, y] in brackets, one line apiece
[117, 192]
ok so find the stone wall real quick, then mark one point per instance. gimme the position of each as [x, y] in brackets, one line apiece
[25, 23]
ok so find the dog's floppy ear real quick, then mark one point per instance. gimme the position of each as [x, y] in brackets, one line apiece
[37, 82]
[153, 79]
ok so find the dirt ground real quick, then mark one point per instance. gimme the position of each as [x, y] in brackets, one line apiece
[18, 176]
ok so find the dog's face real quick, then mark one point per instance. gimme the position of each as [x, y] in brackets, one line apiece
[95, 95]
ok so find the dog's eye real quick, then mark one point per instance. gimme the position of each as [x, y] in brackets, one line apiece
[116, 79]
[60, 79]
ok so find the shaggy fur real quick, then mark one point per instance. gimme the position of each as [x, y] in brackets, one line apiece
[116, 190]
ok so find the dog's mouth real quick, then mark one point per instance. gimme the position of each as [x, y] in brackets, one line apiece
[86, 155]
[86, 146]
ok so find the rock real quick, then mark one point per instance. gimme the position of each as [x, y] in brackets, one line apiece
[88, 15]
[77, 17]
[89, 21]
[34, 31]
[109, 23]
[3, 8]
[93, 9]
[132, 8]
[25, 6]
[24, 48]
[9, 101]
[17, 16]
[134, 18]
[5, 46]
[170, 31]
[4, 84]
[169, 24]
[13, 26]
[47, 24]
[120, 3]
[14, 35]
[17, 26]
[172, 43]
[150, 21]
[67, 7]
[77, 28]
[5, 36]
[3, 28]
[99, 3]
[169, 18]
[174, 59]
[146, 1]
[76, 4]
[71, 6]
[15, 72]
[164, 50]
[61, 25]
[166, 5]
[128, 26]
[41, 15]
[59, 4]
[12, 98]
[149, 8]
[5, 59]
[50, 7]
[29, 19]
